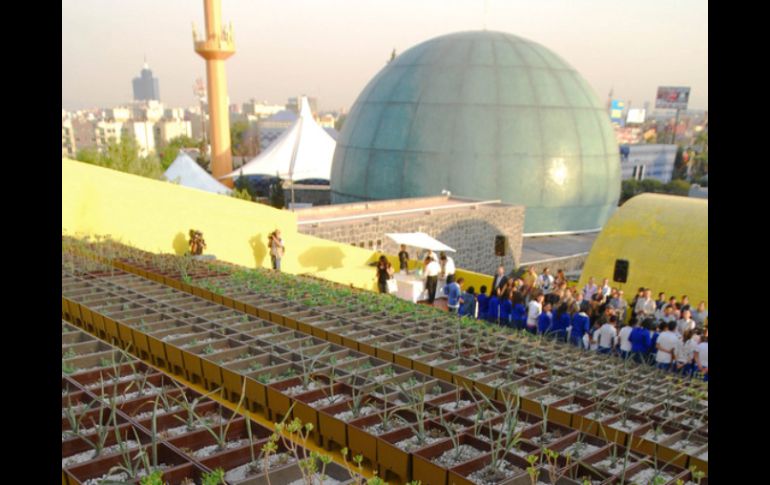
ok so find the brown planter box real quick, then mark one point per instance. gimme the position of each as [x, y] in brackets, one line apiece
[233, 374]
[561, 416]
[619, 436]
[364, 443]
[430, 473]
[335, 431]
[392, 459]
[649, 447]
[97, 468]
[196, 440]
[308, 414]
[591, 460]
[583, 420]
[77, 445]
[560, 434]
[458, 475]
[667, 454]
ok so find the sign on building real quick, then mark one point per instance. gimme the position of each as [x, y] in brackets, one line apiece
[671, 97]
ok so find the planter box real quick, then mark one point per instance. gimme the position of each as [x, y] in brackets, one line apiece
[197, 440]
[309, 414]
[97, 468]
[559, 434]
[584, 420]
[459, 474]
[620, 436]
[559, 415]
[392, 459]
[594, 458]
[648, 446]
[233, 373]
[667, 454]
[292, 473]
[363, 442]
[430, 473]
[335, 431]
[258, 382]
[78, 445]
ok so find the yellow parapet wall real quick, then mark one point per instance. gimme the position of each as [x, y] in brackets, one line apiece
[665, 240]
[156, 216]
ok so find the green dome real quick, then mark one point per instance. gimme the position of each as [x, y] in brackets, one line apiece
[486, 115]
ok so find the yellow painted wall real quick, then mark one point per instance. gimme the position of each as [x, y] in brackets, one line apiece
[665, 240]
[156, 216]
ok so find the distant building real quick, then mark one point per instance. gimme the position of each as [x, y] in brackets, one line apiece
[293, 105]
[168, 129]
[260, 109]
[641, 162]
[68, 145]
[145, 86]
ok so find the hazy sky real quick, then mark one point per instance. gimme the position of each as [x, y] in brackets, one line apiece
[331, 48]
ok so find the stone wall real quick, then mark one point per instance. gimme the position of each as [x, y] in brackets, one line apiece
[469, 230]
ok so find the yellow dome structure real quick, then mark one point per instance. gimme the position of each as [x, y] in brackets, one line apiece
[664, 238]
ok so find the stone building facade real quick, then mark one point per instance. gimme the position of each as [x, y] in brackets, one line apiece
[469, 226]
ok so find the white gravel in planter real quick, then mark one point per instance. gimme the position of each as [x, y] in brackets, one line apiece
[180, 430]
[436, 362]
[396, 423]
[598, 415]
[571, 385]
[299, 389]
[694, 422]
[577, 450]
[487, 476]
[109, 382]
[316, 480]
[606, 465]
[642, 406]
[458, 455]
[486, 415]
[497, 382]
[630, 425]
[176, 335]
[549, 398]
[245, 471]
[199, 342]
[704, 456]
[571, 408]
[348, 415]
[411, 443]
[328, 401]
[685, 446]
[207, 451]
[645, 477]
[650, 435]
[121, 477]
[477, 375]
[455, 405]
[516, 428]
[85, 456]
[159, 412]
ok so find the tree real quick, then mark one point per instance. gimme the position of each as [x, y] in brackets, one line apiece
[277, 199]
[340, 121]
[169, 152]
[123, 156]
[237, 132]
[680, 167]
[677, 187]
[241, 194]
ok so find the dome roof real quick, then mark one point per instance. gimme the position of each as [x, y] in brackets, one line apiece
[485, 115]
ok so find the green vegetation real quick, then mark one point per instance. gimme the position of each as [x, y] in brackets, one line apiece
[630, 188]
[123, 156]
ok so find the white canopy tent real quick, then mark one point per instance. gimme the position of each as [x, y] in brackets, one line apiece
[419, 240]
[185, 171]
[303, 151]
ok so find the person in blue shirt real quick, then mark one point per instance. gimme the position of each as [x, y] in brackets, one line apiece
[562, 321]
[468, 305]
[545, 321]
[483, 301]
[453, 291]
[581, 323]
[655, 332]
[640, 341]
[493, 308]
[506, 307]
[519, 311]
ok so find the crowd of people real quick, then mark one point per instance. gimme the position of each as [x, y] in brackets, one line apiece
[667, 333]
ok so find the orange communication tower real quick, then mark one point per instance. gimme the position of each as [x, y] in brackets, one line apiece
[215, 46]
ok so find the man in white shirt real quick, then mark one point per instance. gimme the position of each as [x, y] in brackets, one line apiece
[545, 281]
[500, 280]
[645, 307]
[534, 309]
[685, 323]
[431, 272]
[447, 267]
[607, 335]
[625, 342]
[666, 346]
[702, 357]
[605, 289]
[590, 289]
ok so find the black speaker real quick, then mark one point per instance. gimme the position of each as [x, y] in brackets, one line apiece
[621, 271]
[501, 242]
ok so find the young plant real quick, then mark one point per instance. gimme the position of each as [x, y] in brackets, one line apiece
[214, 477]
[220, 434]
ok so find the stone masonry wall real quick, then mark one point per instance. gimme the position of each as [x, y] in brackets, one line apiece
[470, 231]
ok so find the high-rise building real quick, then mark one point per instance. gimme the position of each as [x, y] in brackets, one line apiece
[146, 87]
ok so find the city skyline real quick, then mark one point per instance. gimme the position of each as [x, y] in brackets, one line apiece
[294, 47]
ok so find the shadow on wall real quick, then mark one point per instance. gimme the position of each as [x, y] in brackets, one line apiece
[259, 249]
[179, 244]
[322, 258]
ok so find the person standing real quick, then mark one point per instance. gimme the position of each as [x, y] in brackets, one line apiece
[432, 269]
[581, 324]
[620, 305]
[276, 249]
[561, 278]
[468, 303]
[605, 289]
[500, 279]
[447, 267]
[383, 274]
[519, 311]
[562, 322]
[545, 321]
[701, 356]
[684, 354]
[645, 306]
[545, 281]
[493, 308]
[403, 260]
[506, 308]
[660, 302]
[483, 303]
[666, 346]
[625, 341]
[608, 335]
[640, 340]
[590, 289]
[685, 323]
[453, 290]
[700, 314]
[534, 309]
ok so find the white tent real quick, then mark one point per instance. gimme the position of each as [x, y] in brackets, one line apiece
[188, 173]
[419, 240]
[303, 151]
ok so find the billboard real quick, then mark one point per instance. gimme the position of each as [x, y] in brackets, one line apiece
[616, 111]
[636, 115]
[670, 97]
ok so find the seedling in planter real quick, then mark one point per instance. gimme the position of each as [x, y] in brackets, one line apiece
[69, 354]
[208, 349]
[453, 435]
[532, 469]
[155, 478]
[220, 434]
[697, 475]
[189, 406]
[307, 370]
[215, 477]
